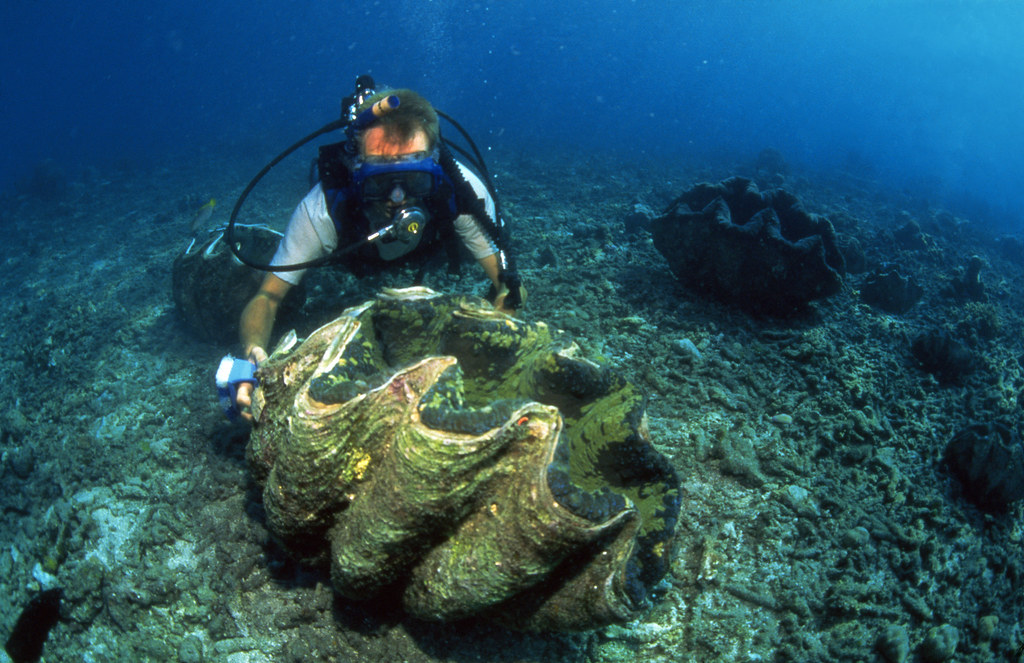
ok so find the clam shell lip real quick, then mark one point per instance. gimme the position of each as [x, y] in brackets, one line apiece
[404, 294]
[287, 342]
[332, 355]
[212, 247]
[579, 522]
[479, 311]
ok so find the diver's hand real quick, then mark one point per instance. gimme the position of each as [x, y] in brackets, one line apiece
[499, 300]
[243, 399]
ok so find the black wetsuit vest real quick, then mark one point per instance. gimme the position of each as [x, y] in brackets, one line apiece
[455, 197]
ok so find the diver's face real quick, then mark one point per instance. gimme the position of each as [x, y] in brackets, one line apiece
[376, 143]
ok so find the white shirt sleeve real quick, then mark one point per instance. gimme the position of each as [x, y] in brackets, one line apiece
[310, 235]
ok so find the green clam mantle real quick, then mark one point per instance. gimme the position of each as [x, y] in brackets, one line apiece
[474, 462]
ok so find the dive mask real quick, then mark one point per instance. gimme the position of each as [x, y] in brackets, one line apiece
[395, 179]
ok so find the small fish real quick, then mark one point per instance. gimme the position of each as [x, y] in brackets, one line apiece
[25, 645]
[202, 216]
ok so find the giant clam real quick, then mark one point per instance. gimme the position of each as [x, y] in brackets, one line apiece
[471, 463]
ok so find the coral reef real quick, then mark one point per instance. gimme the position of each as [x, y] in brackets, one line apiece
[988, 459]
[473, 460]
[759, 251]
[211, 287]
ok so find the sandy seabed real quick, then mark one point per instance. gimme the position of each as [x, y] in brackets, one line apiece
[818, 521]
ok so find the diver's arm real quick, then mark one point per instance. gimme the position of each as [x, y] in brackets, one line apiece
[486, 251]
[490, 265]
[493, 271]
[258, 317]
[256, 325]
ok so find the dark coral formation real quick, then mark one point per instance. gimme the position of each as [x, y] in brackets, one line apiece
[988, 459]
[756, 250]
[1011, 248]
[967, 285]
[943, 356]
[888, 290]
[909, 237]
[771, 164]
[638, 219]
[473, 463]
[854, 258]
[211, 287]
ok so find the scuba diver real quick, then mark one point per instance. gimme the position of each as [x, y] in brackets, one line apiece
[392, 191]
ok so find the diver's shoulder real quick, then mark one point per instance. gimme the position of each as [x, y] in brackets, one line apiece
[473, 178]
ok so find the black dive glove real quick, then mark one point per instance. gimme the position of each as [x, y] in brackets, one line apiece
[514, 298]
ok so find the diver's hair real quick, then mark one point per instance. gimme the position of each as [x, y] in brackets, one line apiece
[414, 113]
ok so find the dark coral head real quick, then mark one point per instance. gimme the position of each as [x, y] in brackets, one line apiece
[988, 460]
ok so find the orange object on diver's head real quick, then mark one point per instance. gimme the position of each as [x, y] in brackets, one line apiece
[385, 105]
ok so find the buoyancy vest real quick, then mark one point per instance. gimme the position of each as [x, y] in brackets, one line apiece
[454, 197]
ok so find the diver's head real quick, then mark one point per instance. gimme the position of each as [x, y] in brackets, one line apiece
[396, 176]
[390, 149]
[398, 128]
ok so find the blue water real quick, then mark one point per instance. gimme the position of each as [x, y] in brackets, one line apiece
[926, 97]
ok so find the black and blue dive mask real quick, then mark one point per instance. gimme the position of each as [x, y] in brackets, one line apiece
[395, 179]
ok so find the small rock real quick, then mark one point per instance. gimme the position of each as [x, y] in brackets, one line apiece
[856, 537]
[190, 650]
[15, 425]
[45, 579]
[686, 347]
[230, 646]
[633, 322]
[894, 644]
[23, 461]
[800, 501]
[940, 644]
[987, 627]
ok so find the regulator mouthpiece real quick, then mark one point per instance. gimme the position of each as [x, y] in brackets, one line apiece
[405, 227]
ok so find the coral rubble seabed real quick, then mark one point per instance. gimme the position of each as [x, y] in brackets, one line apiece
[819, 517]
